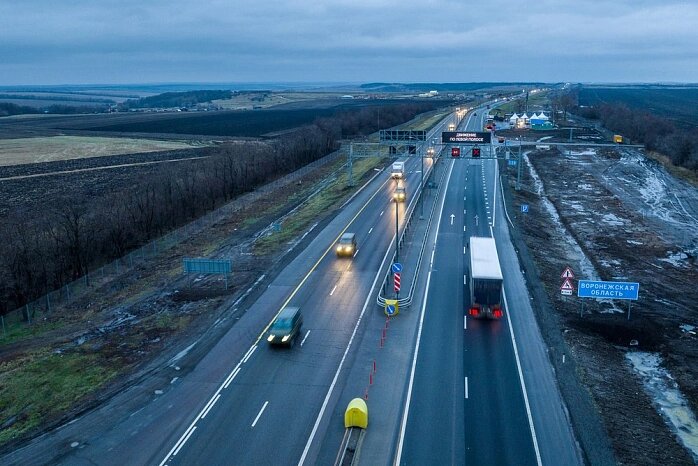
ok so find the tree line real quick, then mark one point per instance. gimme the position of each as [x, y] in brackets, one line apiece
[53, 248]
[176, 99]
[655, 132]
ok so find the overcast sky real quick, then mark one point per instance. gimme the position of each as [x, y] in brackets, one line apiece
[145, 41]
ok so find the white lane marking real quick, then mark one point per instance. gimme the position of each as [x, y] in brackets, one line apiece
[463, 227]
[333, 289]
[463, 211]
[305, 337]
[369, 231]
[260, 413]
[406, 413]
[494, 202]
[183, 440]
[231, 377]
[249, 354]
[215, 400]
[344, 356]
[523, 384]
[466, 388]
[382, 212]
[173, 380]
[463, 249]
[465, 279]
[465, 324]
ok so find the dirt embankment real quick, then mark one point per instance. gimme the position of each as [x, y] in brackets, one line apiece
[577, 217]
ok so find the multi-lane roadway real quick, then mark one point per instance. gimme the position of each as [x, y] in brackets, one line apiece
[458, 390]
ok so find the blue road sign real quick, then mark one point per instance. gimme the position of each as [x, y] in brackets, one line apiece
[397, 267]
[524, 208]
[609, 290]
[390, 309]
[512, 163]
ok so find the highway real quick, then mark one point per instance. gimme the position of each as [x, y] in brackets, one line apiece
[468, 403]
[245, 402]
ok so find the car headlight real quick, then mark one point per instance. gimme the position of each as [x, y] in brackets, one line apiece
[339, 248]
[270, 337]
[285, 338]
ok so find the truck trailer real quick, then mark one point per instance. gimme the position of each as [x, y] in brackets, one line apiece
[485, 279]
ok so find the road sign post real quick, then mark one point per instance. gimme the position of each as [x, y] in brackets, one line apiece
[609, 290]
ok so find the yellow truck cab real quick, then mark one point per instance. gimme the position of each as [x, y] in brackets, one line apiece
[399, 195]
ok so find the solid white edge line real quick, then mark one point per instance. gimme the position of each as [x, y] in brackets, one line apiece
[231, 377]
[215, 400]
[260, 413]
[403, 423]
[249, 354]
[466, 388]
[305, 337]
[183, 442]
[523, 384]
[504, 203]
[344, 357]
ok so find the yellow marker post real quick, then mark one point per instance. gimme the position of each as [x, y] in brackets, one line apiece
[391, 307]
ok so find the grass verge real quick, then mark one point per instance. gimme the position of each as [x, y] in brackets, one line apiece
[299, 221]
[44, 385]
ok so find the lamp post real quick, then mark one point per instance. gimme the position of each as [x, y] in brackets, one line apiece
[518, 175]
[397, 238]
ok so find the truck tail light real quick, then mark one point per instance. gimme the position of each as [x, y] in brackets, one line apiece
[497, 313]
[474, 311]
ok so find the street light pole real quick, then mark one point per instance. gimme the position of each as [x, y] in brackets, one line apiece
[518, 175]
[421, 186]
[397, 238]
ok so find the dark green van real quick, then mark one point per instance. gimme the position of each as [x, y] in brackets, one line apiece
[286, 327]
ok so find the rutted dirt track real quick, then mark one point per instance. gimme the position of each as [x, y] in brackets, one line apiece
[615, 215]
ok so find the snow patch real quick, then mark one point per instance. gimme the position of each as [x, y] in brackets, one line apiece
[585, 187]
[676, 259]
[584, 152]
[587, 269]
[668, 399]
[611, 219]
[632, 241]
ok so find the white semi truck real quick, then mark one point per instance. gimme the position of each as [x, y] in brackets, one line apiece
[398, 170]
[485, 279]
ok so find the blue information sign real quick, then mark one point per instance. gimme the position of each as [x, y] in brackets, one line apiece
[524, 208]
[390, 309]
[609, 290]
[512, 163]
[397, 267]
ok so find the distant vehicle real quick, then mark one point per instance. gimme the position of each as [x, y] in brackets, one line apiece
[398, 170]
[451, 127]
[501, 139]
[346, 245]
[485, 279]
[399, 195]
[618, 139]
[286, 327]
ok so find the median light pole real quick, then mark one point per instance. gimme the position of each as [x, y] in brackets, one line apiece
[397, 238]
